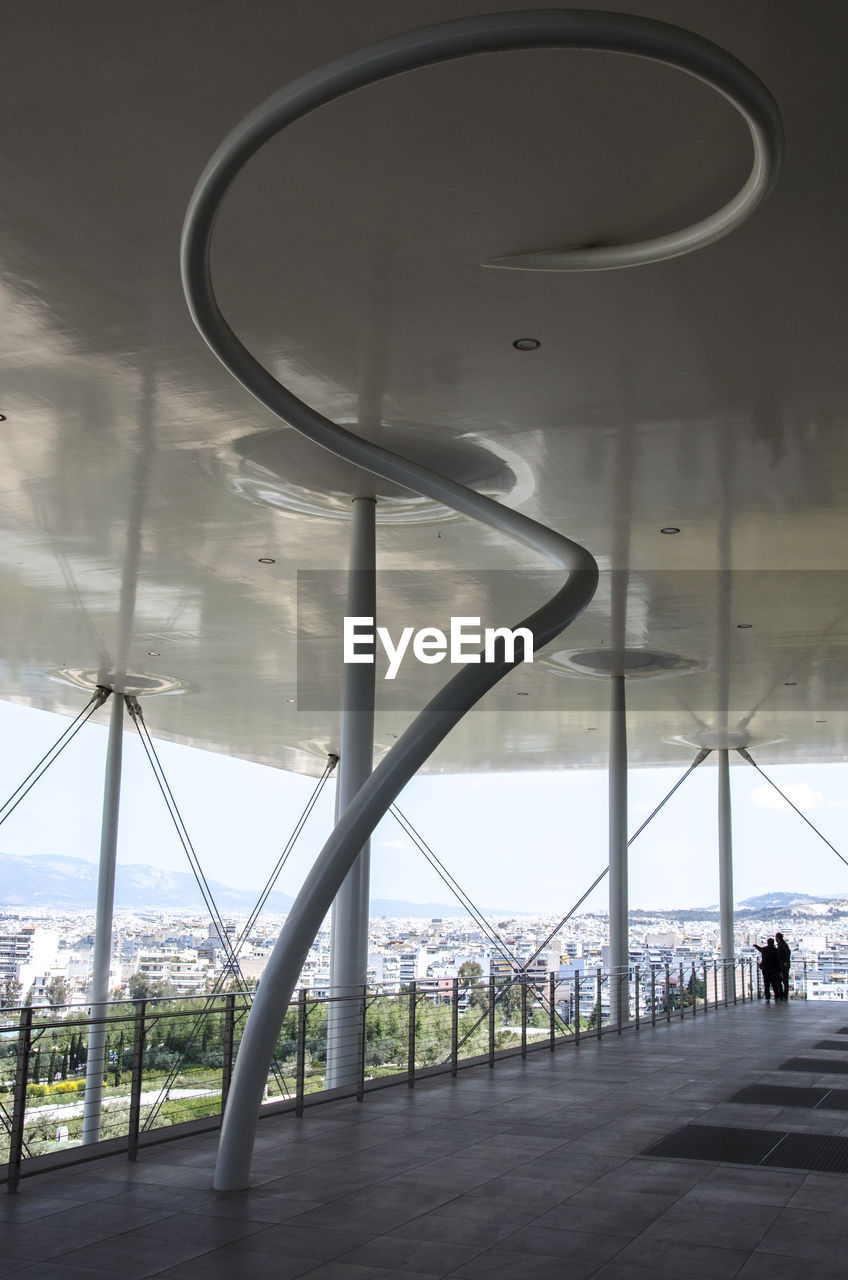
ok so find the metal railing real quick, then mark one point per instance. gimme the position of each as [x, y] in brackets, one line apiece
[168, 1062]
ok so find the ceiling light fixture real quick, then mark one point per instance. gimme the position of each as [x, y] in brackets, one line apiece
[2, 417]
[527, 344]
[790, 684]
[821, 722]
[670, 528]
[266, 560]
[153, 653]
[744, 626]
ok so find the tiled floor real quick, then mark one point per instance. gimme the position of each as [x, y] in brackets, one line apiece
[532, 1171]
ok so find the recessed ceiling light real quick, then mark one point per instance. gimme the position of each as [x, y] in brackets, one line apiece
[821, 722]
[2, 417]
[521, 695]
[266, 560]
[744, 626]
[670, 528]
[790, 684]
[591, 728]
[526, 344]
[291, 699]
[153, 653]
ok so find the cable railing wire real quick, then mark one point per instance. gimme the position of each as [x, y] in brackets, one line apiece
[65, 738]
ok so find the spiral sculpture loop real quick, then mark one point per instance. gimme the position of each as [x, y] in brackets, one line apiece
[503, 32]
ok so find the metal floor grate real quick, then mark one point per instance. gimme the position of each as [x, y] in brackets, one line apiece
[782, 1095]
[772, 1148]
[728, 1145]
[835, 1100]
[818, 1066]
[816, 1151]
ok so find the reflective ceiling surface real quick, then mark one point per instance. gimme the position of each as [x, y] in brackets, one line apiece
[142, 488]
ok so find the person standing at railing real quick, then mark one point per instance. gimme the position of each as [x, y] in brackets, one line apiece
[770, 965]
[782, 947]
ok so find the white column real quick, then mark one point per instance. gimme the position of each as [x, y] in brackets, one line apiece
[618, 898]
[725, 857]
[94, 1066]
[349, 928]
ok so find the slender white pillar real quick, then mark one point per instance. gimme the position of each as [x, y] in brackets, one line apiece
[349, 928]
[95, 1064]
[725, 857]
[618, 897]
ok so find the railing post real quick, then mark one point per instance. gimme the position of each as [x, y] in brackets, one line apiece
[360, 1086]
[715, 984]
[619, 1003]
[576, 1006]
[653, 996]
[724, 981]
[524, 1015]
[680, 994]
[706, 987]
[552, 1003]
[759, 985]
[135, 1081]
[694, 993]
[229, 1037]
[16, 1133]
[598, 981]
[805, 980]
[741, 978]
[732, 964]
[410, 1052]
[491, 1020]
[454, 1026]
[300, 1070]
[668, 993]
[636, 993]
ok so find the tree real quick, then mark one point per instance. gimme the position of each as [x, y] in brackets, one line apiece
[119, 1058]
[56, 991]
[10, 993]
[469, 972]
[36, 1067]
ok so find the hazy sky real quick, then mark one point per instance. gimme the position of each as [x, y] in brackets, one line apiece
[527, 841]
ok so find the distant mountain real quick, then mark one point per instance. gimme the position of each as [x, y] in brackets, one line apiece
[58, 881]
[780, 901]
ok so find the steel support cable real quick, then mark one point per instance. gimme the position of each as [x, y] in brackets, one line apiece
[202, 884]
[747, 756]
[456, 889]
[232, 966]
[463, 898]
[332, 761]
[37, 772]
[234, 949]
[531, 29]
[218, 984]
[699, 759]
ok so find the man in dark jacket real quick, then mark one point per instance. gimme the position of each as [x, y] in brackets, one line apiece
[782, 947]
[770, 965]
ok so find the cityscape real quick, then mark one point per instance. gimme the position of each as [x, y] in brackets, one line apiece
[46, 952]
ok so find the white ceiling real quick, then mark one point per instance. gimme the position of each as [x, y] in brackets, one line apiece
[141, 484]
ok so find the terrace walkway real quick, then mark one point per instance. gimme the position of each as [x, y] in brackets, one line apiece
[534, 1170]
